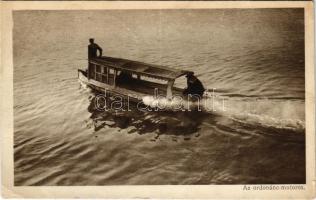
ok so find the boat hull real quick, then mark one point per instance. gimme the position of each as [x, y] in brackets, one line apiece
[161, 103]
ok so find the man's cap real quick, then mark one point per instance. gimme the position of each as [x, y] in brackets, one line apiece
[189, 75]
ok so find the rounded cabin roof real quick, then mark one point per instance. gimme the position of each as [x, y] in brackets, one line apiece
[150, 70]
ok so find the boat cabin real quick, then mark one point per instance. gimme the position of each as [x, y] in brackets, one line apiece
[132, 77]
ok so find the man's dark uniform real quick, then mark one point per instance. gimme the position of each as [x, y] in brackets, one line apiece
[195, 87]
[92, 50]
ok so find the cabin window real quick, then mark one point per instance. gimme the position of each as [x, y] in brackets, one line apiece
[111, 80]
[111, 77]
[180, 82]
[104, 70]
[104, 79]
[111, 71]
[98, 69]
[98, 73]
[154, 80]
[134, 76]
[99, 77]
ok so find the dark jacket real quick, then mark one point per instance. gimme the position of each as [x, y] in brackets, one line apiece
[195, 88]
[92, 50]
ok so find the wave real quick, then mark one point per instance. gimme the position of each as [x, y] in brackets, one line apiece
[285, 114]
[280, 114]
[264, 97]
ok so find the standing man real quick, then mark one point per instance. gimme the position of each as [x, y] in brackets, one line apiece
[93, 48]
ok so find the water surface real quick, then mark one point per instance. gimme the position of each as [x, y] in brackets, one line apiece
[254, 58]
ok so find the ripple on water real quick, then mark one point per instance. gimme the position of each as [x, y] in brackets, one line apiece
[60, 139]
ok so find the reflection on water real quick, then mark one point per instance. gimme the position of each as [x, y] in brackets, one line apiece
[181, 123]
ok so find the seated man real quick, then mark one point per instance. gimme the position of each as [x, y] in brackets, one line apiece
[195, 87]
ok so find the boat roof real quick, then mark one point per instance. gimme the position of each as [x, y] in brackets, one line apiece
[150, 70]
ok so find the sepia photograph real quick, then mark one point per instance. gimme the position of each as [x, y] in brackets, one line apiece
[160, 97]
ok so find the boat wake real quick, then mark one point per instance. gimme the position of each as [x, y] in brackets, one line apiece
[277, 115]
[268, 113]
